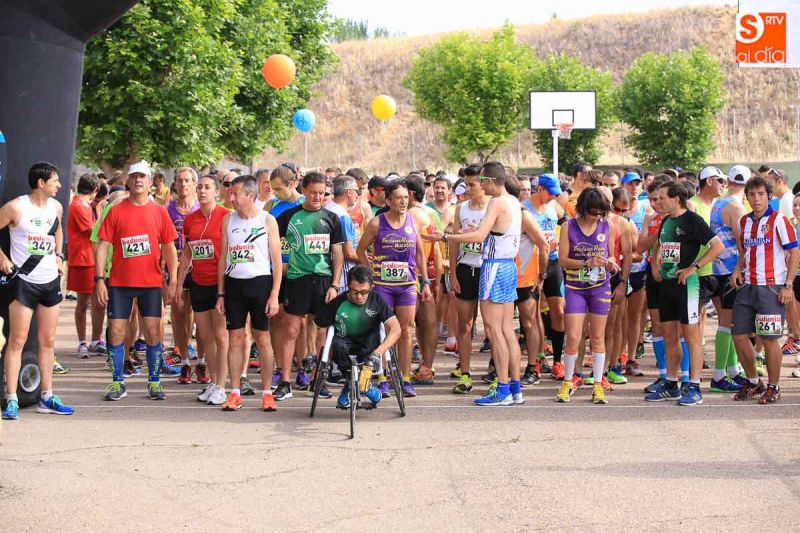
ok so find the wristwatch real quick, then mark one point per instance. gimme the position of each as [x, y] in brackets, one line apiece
[99, 278]
[788, 285]
[696, 265]
[61, 255]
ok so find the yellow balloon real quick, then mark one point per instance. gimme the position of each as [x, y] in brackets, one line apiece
[383, 107]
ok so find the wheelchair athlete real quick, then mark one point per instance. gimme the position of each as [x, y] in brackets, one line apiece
[356, 316]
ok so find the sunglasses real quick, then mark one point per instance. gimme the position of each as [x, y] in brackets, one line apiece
[226, 184]
[327, 194]
[483, 178]
[595, 212]
[621, 210]
[359, 293]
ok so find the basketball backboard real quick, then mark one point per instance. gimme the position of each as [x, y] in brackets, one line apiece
[549, 108]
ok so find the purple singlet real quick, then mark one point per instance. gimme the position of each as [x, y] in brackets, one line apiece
[395, 262]
[587, 288]
[177, 220]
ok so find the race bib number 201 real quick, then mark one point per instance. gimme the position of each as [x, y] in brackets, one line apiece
[202, 249]
[135, 246]
[769, 325]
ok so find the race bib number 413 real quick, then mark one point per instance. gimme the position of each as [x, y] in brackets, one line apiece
[671, 252]
[475, 248]
[135, 246]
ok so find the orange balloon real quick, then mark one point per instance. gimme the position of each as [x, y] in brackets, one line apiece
[278, 71]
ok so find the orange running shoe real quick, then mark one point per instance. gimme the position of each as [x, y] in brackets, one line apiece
[268, 403]
[558, 370]
[588, 362]
[577, 382]
[233, 402]
[623, 359]
[606, 385]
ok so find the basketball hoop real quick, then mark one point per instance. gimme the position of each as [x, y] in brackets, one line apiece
[565, 130]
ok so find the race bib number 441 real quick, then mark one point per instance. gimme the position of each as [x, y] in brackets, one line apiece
[317, 243]
[135, 246]
[41, 244]
[769, 325]
[671, 252]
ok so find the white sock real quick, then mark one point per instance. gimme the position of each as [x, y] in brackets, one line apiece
[266, 393]
[47, 394]
[10, 397]
[718, 375]
[733, 371]
[451, 340]
[82, 343]
[201, 360]
[569, 365]
[236, 391]
[598, 362]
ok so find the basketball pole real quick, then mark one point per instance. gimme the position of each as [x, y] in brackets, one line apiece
[555, 152]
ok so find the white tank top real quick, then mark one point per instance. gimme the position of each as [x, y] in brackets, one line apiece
[505, 246]
[247, 255]
[31, 241]
[470, 253]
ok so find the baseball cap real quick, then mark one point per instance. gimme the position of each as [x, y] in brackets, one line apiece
[142, 167]
[290, 166]
[377, 181]
[630, 176]
[460, 189]
[550, 183]
[779, 173]
[711, 172]
[739, 174]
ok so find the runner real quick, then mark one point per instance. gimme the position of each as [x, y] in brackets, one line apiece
[247, 288]
[312, 239]
[140, 231]
[377, 193]
[80, 276]
[159, 190]
[767, 253]
[203, 237]
[225, 178]
[678, 259]
[397, 250]
[500, 229]
[181, 310]
[264, 179]
[34, 222]
[580, 180]
[726, 212]
[445, 310]
[360, 213]
[587, 252]
[345, 195]
[548, 213]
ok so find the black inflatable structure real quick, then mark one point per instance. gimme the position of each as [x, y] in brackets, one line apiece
[41, 69]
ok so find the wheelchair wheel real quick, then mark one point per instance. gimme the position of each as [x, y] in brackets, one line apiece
[394, 374]
[353, 401]
[319, 382]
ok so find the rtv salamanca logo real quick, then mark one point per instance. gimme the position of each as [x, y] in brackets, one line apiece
[761, 38]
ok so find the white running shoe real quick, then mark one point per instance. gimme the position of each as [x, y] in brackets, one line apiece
[83, 351]
[217, 397]
[796, 373]
[518, 398]
[203, 396]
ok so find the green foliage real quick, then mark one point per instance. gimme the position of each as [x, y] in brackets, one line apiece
[179, 81]
[354, 30]
[566, 73]
[475, 90]
[671, 103]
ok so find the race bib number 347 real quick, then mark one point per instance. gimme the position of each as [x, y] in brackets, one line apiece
[135, 246]
[41, 244]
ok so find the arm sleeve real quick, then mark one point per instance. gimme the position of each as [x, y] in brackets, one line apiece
[705, 234]
[283, 223]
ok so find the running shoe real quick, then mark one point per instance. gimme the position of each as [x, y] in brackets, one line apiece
[771, 395]
[530, 377]
[283, 391]
[605, 383]
[639, 350]
[276, 378]
[705, 365]
[373, 395]
[169, 370]
[115, 391]
[486, 346]
[11, 411]
[518, 398]
[140, 345]
[422, 377]
[691, 396]
[171, 359]
[129, 370]
[623, 359]
[59, 369]
[186, 375]
[654, 386]
[71, 295]
[201, 373]
[155, 391]
[98, 347]
[233, 402]
[588, 362]
[383, 386]
[791, 346]
[463, 386]
[493, 385]
[761, 366]
[632, 369]
[323, 392]
[599, 395]
[494, 399]
[253, 351]
[83, 350]
[750, 391]
[268, 403]
[616, 376]
[558, 371]
[135, 360]
[564, 392]
[408, 390]
[725, 384]
[217, 396]
[664, 392]
[192, 351]
[489, 376]
[54, 406]
[457, 372]
[343, 402]
[302, 381]
[416, 355]
[647, 337]
[451, 348]
[203, 396]
[589, 380]
[246, 386]
[577, 382]
[796, 373]
[544, 366]
[740, 379]
[254, 363]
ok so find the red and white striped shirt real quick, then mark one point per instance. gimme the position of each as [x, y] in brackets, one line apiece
[765, 243]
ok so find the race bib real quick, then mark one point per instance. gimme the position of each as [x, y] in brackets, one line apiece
[317, 243]
[135, 246]
[241, 253]
[41, 244]
[671, 252]
[475, 248]
[591, 274]
[285, 248]
[552, 239]
[394, 271]
[769, 325]
[202, 249]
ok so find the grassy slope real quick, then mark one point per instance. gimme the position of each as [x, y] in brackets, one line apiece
[347, 134]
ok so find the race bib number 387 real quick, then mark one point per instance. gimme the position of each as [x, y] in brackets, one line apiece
[135, 246]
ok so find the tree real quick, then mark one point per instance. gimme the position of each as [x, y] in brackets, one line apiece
[475, 90]
[179, 81]
[566, 73]
[671, 103]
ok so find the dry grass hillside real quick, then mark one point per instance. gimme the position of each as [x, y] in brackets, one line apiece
[347, 135]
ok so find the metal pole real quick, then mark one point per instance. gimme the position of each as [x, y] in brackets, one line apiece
[413, 148]
[797, 109]
[622, 129]
[305, 142]
[519, 151]
[733, 137]
[555, 153]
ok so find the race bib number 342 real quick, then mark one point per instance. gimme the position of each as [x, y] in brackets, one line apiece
[135, 246]
[241, 253]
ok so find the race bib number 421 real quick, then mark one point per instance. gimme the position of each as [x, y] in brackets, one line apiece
[135, 246]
